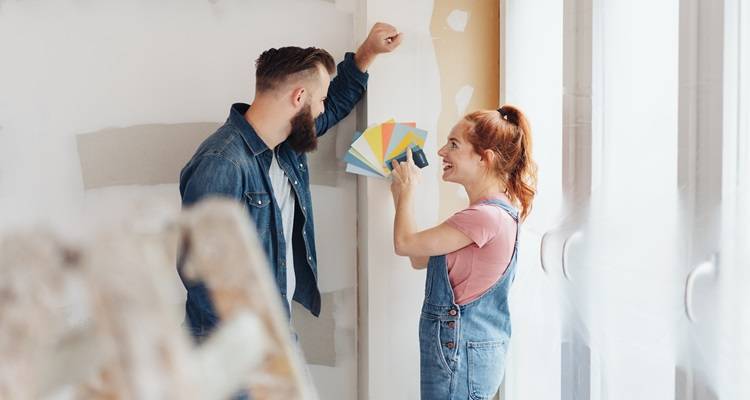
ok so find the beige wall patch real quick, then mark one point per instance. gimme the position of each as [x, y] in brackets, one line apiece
[140, 154]
[317, 336]
[466, 36]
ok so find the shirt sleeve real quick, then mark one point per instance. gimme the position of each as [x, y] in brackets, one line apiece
[346, 89]
[479, 223]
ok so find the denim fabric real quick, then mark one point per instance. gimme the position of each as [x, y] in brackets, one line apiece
[234, 162]
[462, 347]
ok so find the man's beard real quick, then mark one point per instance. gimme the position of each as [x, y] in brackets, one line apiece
[303, 138]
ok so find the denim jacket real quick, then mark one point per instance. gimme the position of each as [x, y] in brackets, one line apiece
[234, 162]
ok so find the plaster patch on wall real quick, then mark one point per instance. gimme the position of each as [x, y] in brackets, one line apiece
[318, 337]
[139, 155]
[463, 96]
[457, 20]
[469, 65]
[326, 164]
[323, 162]
[681, 382]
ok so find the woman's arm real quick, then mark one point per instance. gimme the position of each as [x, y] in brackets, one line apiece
[419, 262]
[407, 241]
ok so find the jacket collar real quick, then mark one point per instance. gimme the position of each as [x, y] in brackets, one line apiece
[237, 119]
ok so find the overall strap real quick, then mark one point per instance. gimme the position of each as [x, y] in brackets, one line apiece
[513, 212]
[505, 206]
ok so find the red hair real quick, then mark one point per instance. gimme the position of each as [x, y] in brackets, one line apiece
[506, 132]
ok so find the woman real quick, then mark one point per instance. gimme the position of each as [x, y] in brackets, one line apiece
[471, 257]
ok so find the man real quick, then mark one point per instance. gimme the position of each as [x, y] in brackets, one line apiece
[258, 158]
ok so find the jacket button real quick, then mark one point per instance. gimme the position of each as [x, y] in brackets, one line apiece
[258, 201]
[452, 312]
[450, 345]
[451, 324]
[295, 182]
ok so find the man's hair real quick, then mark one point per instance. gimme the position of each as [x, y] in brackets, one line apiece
[275, 66]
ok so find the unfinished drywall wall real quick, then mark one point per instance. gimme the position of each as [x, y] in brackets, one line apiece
[103, 102]
[448, 64]
[404, 85]
[466, 37]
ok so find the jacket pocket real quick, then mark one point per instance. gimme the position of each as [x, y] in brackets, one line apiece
[258, 199]
[258, 206]
[486, 366]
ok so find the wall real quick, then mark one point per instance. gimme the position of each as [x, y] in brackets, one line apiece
[404, 85]
[466, 37]
[102, 103]
[448, 64]
[532, 44]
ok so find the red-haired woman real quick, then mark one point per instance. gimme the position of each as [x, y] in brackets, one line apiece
[471, 257]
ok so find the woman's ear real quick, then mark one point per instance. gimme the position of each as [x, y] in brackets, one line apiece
[488, 157]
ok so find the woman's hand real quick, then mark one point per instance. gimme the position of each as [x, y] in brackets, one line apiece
[404, 177]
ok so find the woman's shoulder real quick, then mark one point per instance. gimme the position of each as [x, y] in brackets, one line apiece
[483, 222]
[492, 212]
[485, 214]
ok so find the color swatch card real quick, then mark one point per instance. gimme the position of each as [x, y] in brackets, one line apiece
[372, 150]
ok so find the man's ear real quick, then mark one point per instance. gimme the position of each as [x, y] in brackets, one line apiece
[298, 97]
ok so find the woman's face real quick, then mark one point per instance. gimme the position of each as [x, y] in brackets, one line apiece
[461, 164]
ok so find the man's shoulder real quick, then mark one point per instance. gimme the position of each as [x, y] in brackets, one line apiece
[225, 143]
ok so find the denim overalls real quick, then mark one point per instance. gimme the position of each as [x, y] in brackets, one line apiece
[462, 348]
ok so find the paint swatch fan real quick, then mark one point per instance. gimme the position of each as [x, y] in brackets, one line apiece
[371, 151]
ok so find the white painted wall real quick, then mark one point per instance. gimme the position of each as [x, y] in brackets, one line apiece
[403, 85]
[70, 67]
[532, 43]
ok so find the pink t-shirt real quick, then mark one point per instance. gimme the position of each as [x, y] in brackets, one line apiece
[475, 268]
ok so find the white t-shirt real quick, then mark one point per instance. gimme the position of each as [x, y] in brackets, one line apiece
[282, 191]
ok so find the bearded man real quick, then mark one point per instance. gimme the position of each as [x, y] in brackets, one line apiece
[258, 158]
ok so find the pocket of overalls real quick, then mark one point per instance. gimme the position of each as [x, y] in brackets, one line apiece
[435, 350]
[486, 366]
